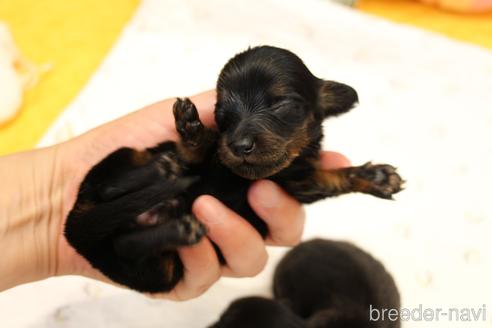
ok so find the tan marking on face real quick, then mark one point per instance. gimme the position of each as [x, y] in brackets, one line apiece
[273, 153]
[300, 139]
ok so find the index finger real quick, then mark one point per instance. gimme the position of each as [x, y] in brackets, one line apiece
[162, 111]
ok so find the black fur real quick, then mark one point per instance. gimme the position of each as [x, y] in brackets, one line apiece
[134, 208]
[321, 284]
[258, 312]
[333, 284]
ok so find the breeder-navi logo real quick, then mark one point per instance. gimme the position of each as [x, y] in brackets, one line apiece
[429, 314]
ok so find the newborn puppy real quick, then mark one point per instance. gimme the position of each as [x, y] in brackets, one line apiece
[133, 209]
[335, 284]
[320, 284]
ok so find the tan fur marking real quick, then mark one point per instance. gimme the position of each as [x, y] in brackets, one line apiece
[362, 185]
[333, 179]
[300, 139]
[168, 267]
[141, 158]
[84, 207]
[326, 98]
[195, 154]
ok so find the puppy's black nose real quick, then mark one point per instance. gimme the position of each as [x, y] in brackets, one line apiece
[243, 146]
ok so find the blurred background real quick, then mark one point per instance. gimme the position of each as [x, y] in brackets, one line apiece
[423, 70]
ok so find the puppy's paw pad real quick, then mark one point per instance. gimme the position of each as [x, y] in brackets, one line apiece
[191, 230]
[167, 208]
[148, 219]
[187, 120]
[380, 180]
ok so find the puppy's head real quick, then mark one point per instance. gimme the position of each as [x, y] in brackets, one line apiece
[269, 108]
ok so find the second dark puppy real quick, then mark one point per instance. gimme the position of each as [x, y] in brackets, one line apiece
[133, 209]
[321, 284]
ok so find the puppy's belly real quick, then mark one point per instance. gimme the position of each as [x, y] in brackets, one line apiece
[230, 189]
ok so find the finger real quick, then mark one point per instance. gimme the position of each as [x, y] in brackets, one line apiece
[157, 119]
[201, 270]
[162, 111]
[240, 244]
[283, 215]
[333, 160]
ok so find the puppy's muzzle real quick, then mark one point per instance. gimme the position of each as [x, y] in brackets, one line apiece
[242, 146]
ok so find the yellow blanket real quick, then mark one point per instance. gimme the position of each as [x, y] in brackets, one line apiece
[473, 28]
[74, 37]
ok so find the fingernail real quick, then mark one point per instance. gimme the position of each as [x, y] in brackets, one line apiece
[266, 193]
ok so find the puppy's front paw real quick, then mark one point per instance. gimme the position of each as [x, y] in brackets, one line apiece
[380, 180]
[187, 121]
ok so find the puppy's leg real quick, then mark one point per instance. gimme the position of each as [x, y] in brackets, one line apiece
[120, 172]
[163, 237]
[90, 222]
[195, 138]
[380, 180]
[103, 232]
[127, 170]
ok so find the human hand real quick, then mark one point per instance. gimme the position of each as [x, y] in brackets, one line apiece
[145, 128]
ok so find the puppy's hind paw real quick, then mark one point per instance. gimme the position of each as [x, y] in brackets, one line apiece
[191, 230]
[167, 236]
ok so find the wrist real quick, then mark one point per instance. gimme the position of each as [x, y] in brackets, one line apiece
[31, 214]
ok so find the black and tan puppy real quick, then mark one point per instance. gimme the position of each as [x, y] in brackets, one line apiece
[321, 284]
[134, 208]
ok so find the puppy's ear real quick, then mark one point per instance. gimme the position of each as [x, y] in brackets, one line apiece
[335, 98]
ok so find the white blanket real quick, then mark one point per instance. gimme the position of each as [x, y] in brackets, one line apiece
[426, 106]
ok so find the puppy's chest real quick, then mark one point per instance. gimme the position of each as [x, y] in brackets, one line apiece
[218, 181]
